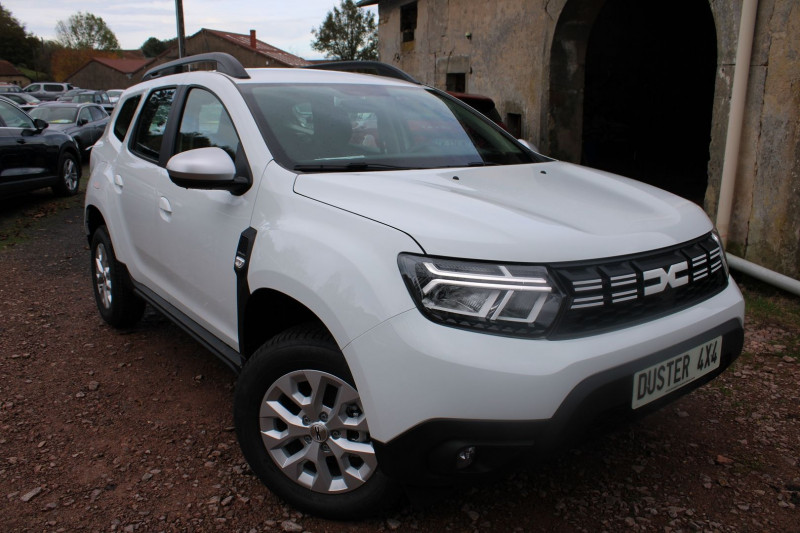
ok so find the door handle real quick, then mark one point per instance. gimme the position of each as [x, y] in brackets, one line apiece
[164, 205]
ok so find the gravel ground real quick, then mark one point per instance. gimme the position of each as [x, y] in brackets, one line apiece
[108, 431]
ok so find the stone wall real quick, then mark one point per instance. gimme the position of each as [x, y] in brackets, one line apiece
[529, 57]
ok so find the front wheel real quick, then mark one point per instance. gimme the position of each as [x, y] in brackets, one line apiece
[69, 175]
[303, 430]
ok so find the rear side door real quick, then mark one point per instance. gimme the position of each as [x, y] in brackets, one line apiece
[135, 175]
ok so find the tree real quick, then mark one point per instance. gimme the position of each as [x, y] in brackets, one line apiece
[153, 46]
[347, 34]
[84, 30]
[16, 45]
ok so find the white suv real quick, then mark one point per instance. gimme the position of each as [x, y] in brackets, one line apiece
[410, 295]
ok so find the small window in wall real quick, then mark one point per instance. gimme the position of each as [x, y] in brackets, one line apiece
[514, 124]
[408, 21]
[457, 82]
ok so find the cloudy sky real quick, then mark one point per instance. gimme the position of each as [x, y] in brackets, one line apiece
[285, 24]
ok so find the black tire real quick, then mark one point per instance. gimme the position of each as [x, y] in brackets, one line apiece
[287, 360]
[113, 293]
[69, 175]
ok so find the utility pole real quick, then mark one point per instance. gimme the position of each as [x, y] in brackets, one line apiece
[181, 31]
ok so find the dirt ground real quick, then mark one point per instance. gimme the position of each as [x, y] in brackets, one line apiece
[108, 431]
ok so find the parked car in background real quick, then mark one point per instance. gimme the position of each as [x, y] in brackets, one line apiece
[67, 96]
[33, 156]
[10, 88]
[113, 94]
[25, 101]
[84, 122]
[48, 90]
[92, 97]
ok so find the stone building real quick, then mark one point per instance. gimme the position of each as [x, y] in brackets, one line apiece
[102, 73]
[250, 52]
[639, 88]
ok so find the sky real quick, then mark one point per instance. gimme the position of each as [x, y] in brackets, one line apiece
[286, 24]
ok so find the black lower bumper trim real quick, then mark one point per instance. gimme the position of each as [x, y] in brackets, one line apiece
[426, 454]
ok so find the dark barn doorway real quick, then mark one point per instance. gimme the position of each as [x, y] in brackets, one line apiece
[648, 94]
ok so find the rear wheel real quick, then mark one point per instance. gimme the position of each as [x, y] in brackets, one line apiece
[69, 175]
[116, 301]
[303, 430]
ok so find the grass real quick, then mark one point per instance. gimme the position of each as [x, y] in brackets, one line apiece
[767, 304]
[769, 307]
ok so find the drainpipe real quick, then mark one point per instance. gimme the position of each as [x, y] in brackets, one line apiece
[763, 274]
[736, 117]
[729, 167]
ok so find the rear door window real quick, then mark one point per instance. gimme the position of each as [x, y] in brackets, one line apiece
[152, 124]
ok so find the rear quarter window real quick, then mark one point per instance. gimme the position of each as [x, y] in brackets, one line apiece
[125, 117]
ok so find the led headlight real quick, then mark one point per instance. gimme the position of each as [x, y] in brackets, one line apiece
[516, 300]
[718, 240]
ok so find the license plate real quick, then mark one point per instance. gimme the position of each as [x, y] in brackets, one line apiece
[659, 380]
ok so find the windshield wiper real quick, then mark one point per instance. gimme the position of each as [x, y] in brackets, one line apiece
[483, 164]
[327, 167]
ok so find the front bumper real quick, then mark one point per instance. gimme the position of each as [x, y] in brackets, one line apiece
[430, 391]
[428, 452]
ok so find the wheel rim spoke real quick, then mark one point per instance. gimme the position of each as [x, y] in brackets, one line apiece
[313, 427]
[70, 174]
[103, 276]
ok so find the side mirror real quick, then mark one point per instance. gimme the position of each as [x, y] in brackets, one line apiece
[204, 168]
[82, 121]
[40, 124]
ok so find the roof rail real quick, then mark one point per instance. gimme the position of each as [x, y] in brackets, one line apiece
[226, 64]
[376, 68]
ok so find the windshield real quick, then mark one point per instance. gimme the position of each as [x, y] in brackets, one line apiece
[56, 115]
[372, 127]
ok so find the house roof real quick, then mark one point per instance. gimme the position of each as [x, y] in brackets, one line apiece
[262, 48]
[7, 69]
[126, 66]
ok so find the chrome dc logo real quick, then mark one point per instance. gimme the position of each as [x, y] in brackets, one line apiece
[675, 276]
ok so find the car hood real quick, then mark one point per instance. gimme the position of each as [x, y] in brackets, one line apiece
[547, 212]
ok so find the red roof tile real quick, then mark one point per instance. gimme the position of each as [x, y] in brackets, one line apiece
[261, 47]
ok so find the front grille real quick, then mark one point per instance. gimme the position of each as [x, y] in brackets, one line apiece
[620, 292]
